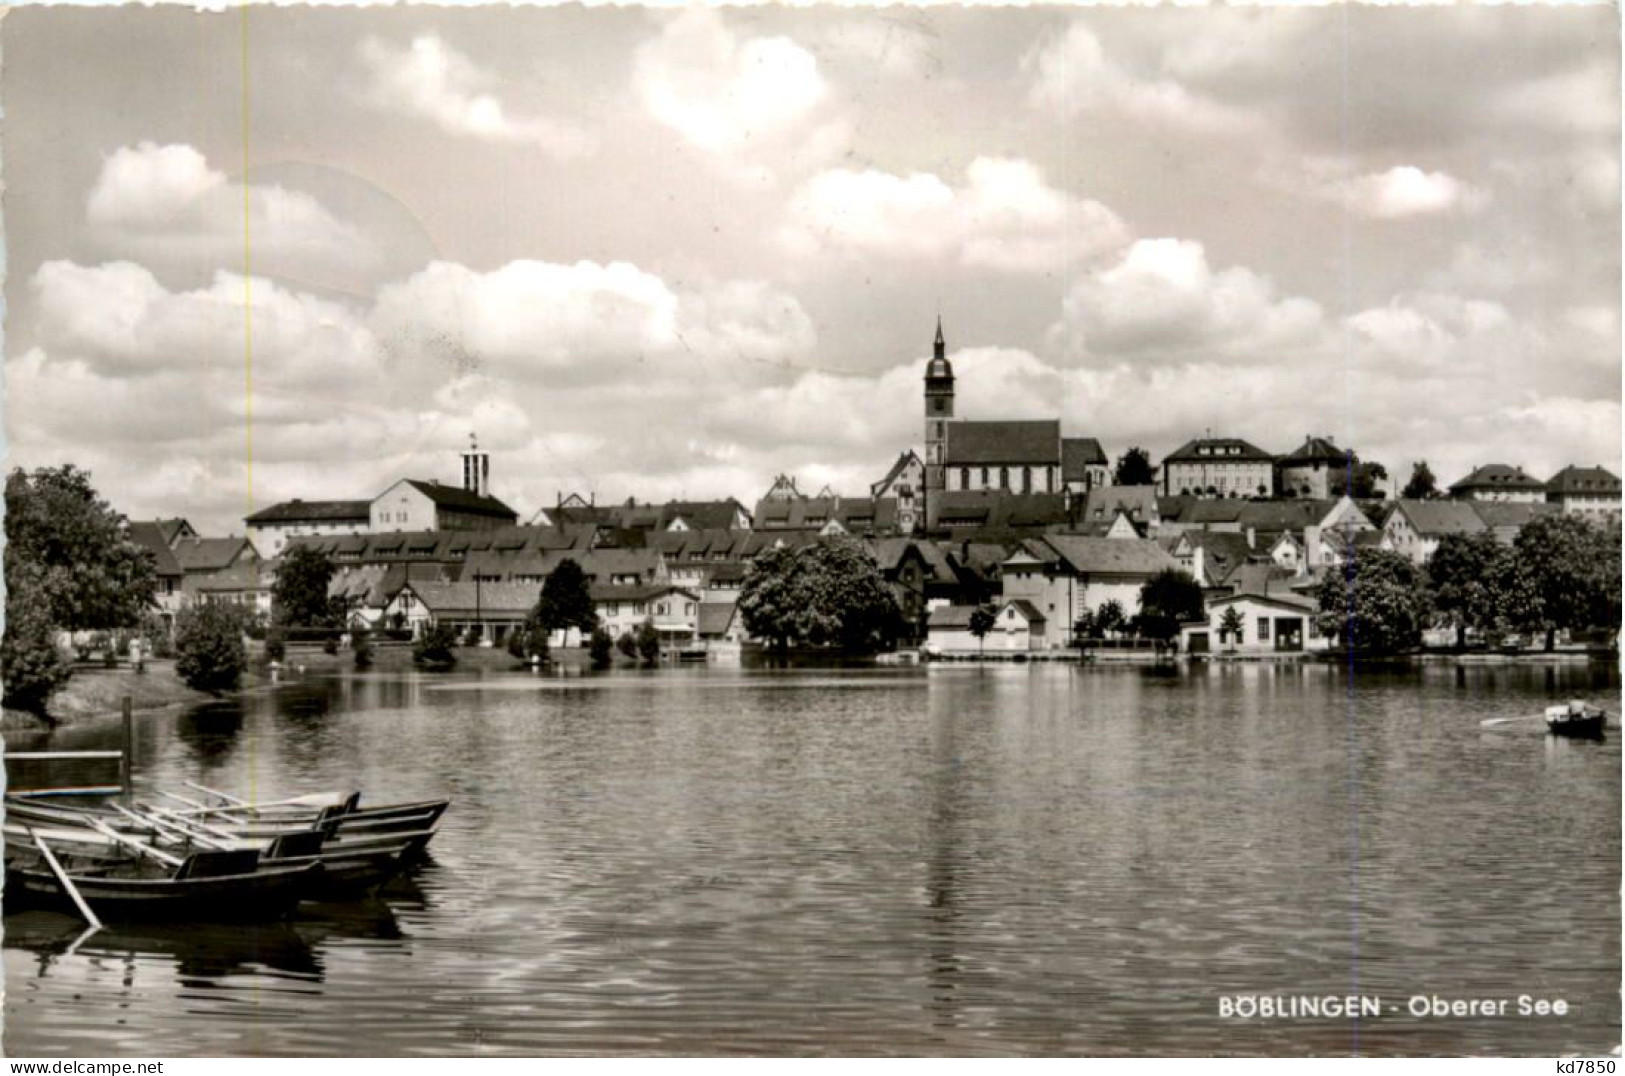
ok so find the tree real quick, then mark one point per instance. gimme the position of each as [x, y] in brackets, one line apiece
[627, 644]
[299, 594]
[1134, 469]
[83, 568]
[31, 667]
[566, 601]
[1083, 627]
[1109, 617]
[828, 593]
[982, 621]
[1574, 570]
[361, 643]
[1462, 582]
[1422, 485]
[209, 654]
[1356, 479]
[435, 645]
[1168, 599]
[648, 641]
[528, 641]
[601, 648]
[1230, 625]
[1376, 604]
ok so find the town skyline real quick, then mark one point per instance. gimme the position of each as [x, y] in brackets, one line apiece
[695, 250]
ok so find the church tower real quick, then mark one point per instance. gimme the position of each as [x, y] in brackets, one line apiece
[939, 411]
[476, 468]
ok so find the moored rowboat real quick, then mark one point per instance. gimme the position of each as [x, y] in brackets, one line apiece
[213, 885]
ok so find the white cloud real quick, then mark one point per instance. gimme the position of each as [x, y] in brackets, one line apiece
[1162, 302]
[1397, 193]
[587, 323]
[720, 92]
[161, 200]
[1005, 218]
[1073, 73]
[430, 80]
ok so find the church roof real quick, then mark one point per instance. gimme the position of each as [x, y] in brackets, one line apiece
[462, 500]
[1078, 453]
[1024, 442]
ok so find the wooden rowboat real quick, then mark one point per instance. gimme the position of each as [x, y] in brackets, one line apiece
[1576, 719]
[212, 886]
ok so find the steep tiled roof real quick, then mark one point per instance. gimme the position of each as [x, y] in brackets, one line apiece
[487, 599]
[1026, 609]
[458, 499]
[1026, 442]
[1593, 481]
[715, 617]
[1497, 476]
[642, 592]
[1103, 503]
[1314, 450]
[902, 464]
[1110, 556]
[1435, 519]
[329, 512]
[209, 554]
[994, 508]
[1078, 454]
[150, 536]
[1229, 449]
[951, 616]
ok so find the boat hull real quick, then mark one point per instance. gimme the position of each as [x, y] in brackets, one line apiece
[268, 893]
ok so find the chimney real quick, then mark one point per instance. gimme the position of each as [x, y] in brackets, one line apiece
[1311, 545]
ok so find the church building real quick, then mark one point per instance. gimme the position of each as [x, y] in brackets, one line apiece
[1015, 457]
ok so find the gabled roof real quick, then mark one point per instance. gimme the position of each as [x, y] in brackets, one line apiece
[1077, 455]
[1204, 449]
[469, 599]
[1498, 476]
[243, 576]
[1139, 503]
[715, 617]
[1513, 514]
[1024, 442]
[951, 616]
[1435, 519]
[173, 529]
[1110, 556]
[150, 536]
[457, 499]
[902, 464]
[1026, 608]
[1593, 481]
[298, 511]
[1314, 450]
[640, 592]
[210, 554]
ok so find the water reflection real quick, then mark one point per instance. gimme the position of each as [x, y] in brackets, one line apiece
[932, 860]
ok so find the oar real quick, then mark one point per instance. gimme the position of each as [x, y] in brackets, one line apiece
[145, 849]
[174, 818]
[63, 879]
[164, 829]
[218, 795]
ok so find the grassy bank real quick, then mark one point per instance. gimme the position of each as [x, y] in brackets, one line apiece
[97, 692]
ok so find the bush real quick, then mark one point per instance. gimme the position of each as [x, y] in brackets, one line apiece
[29, 662]
[435, 644]
[331, 646]
[602, 648]
[649, 641]
[155, 634]
[628, 644]
[361, 643]
[209, 647]
[472, 636]
[516, 644]
[276, 649]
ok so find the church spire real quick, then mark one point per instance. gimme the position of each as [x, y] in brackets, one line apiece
[940, 347]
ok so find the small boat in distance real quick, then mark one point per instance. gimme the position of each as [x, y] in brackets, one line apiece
[1576, 718]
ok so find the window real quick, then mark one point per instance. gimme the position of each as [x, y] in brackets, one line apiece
[1004, 478]
[660, 610]
[1263, 628]
[688, 608]
[984, 477]
[1026, 480]
[964, 478]
[639, 608]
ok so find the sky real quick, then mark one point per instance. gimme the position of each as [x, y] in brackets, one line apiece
[303, 252]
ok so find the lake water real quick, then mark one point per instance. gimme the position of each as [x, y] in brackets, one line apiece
[1011, 859]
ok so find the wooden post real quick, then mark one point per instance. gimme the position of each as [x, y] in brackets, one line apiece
[126, 762]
